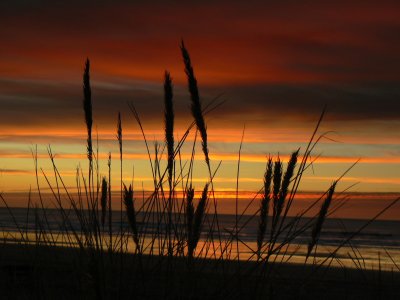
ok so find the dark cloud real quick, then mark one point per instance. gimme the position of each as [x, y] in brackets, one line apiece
[363, 102]
[268, 59]
[43, 104]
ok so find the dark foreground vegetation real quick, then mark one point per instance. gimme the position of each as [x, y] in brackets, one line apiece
[43, 272]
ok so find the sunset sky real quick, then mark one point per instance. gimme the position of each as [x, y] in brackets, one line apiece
[275, 65]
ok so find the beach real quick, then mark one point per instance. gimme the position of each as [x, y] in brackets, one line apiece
[64, 273]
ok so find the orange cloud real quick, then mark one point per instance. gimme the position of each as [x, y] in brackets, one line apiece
[296, 43]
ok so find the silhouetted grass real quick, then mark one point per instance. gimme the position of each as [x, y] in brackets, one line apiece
[196, 108]
[316, 231]
[174, 254]
[103, 201]
[197, 222]
[169, 125]
[87, 107]
[264, 207]
[130, 211]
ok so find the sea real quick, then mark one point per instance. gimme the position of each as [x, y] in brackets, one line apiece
[360, 242]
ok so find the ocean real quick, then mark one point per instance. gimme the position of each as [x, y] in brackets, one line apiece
[376, 246]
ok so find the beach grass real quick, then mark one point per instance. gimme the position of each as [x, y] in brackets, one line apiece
[172, 245]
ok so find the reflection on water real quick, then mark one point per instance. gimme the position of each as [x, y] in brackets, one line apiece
[368, 249]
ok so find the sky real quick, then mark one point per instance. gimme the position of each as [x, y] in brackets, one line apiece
[274, 64]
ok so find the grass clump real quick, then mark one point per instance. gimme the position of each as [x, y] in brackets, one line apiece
[130, 211]
[175, 252]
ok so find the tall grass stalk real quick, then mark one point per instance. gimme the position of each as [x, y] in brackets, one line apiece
[196, 103]
[131, 214]
[198, 222]
[119, 138]
[109, 204]
[197, 112]
[264, 207]
[169, 139]
[287, 178]
[316, 231]
[169, 125]
[277, 177]
[88, 110]
[189, 215]
[237, 196]
[87, 107]
[103, 201]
